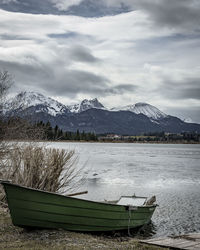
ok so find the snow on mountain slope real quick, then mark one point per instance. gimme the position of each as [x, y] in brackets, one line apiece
[32, 99]
[188, 120]
[143, 108]
[85, 105]
[46, 104]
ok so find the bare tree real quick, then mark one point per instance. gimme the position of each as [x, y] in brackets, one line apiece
[10, 126]
[6, 81]
[28, 163]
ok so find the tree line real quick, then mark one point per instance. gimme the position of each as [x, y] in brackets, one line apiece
[56, 133]
[21, 129]
[184, 137]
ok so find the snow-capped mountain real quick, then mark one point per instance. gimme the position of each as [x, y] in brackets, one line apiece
[41, 103]
[85, 105]
[143, 108]
[91, 115]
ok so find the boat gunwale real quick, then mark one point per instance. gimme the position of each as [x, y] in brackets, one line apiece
[4, 182]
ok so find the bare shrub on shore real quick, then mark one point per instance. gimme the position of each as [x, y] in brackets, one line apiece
[26, 163]
[42, 168]
[6, 81]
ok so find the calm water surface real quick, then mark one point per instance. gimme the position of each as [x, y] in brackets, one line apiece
[169, 171]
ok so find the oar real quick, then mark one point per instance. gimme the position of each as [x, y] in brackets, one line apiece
[79, 193]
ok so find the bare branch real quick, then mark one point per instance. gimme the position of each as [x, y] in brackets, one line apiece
[42, 168]
[6, 82]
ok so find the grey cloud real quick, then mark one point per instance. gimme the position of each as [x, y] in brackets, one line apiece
[175, 13]
[66, 35]
[9, 1]
[172, 13]
[13, 37]
[71, 35]
[156, 43]
[121, 88]
[86, 8]
[126, 87]
[98, 8]
[63, 4]
[76, 81]
[64, 83]
[73, 82]
[188, 88]
[193, 93]
[26, 75]
[31, 6]
[82, 54]
[186, 112]
[54, 81]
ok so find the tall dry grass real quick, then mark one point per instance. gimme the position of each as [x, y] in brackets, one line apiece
[42, 168]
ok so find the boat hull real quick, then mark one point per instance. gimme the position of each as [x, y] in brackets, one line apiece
[35, 208]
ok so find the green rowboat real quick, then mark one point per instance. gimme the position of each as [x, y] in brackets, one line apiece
[35, 208]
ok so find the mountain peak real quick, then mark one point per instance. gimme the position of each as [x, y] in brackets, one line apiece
[71, 118]
[149, 110]
[39, 103]
[30, 99]
[143, 108]
[85, 105]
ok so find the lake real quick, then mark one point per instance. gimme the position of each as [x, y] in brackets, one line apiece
[169, 171]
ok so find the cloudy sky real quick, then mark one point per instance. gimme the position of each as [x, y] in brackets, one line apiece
[120, 51]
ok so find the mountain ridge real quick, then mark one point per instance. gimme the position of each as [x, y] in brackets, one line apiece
[92, 116]
[85, 105]
[28, 99]
[143, 108]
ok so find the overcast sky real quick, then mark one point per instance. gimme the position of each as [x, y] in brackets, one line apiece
[120, 51]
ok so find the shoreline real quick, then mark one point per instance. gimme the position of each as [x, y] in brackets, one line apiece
[19, 238]
[135, 142]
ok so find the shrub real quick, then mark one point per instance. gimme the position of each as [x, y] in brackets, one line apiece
[42, 168]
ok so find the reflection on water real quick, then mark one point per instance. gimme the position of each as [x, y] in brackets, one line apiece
[171, 172]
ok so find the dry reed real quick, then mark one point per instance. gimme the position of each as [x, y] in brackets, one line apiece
[42, 168]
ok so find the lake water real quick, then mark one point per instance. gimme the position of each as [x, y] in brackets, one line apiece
[169, 171]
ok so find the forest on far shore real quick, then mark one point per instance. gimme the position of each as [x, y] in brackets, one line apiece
[20, 129]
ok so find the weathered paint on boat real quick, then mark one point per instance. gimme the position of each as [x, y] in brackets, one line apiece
[35, 208]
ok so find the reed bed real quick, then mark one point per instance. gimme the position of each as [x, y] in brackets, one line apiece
[42, 168]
